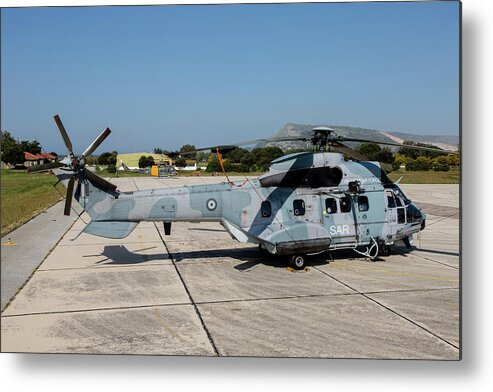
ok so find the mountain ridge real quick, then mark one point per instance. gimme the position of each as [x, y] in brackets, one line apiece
[289, 129]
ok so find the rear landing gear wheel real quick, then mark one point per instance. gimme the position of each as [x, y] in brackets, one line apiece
[263, 251]
[298, 262]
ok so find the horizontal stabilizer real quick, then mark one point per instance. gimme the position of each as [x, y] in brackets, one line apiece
[110, 229]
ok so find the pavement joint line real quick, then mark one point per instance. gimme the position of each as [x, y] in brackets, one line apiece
[442, 218]
[104, 266]
[392, 311]
[96, 309]
[133, 180]
[197, 311]
[219, 302]
[319, 296]
[339, 264]
[427, 259]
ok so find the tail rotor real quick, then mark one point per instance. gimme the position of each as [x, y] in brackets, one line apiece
[76, 165]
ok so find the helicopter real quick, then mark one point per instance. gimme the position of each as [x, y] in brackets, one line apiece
[306, 203]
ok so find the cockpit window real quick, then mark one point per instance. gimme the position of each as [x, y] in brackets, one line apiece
[413, 213]
[398, 192]
[398, 200]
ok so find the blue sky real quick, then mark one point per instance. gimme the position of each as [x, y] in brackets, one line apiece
[163, 76]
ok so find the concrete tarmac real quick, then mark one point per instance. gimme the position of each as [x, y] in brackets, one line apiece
[198, 292]
[26, 247]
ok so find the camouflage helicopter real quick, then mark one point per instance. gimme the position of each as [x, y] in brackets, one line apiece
[307, 202]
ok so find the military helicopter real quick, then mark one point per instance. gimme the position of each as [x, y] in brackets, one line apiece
[307, 202]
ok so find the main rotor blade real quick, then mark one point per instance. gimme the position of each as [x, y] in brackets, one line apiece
[77, 191]
[95, 144]
[65, 137]
[338, 146]
[44, 167]
[352, 139]
[229, 147]
[106, 185]
[68, 198]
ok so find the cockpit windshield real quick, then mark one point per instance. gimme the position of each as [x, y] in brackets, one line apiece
[398, 193]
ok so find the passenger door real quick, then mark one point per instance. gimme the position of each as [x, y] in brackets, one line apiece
[338, 219]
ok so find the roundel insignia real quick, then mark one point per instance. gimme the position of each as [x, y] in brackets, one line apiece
[211, 204]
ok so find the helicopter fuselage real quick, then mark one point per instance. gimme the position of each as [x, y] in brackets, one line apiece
[306, 203]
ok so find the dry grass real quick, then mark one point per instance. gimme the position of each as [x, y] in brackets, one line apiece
[24, 195]
[426, 177]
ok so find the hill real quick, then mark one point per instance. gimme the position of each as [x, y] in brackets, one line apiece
[291, 129]
[132, 159]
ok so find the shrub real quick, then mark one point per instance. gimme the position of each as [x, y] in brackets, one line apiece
[441, 167]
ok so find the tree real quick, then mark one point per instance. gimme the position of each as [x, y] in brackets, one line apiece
[370, 150]
[13, 154]
[454, 160]
[146, 161]
[262, 157]
[441, 167]
[103, 158]
[420, 163]
[201, 156]
[236, 155]
[112, 160]
[376, 153]
[213, 164]
[385, 156]
[414, 154]
[158, 150]
[181, 162]
[91, 160]
[31, 147]
[189, 147]
[11, 150]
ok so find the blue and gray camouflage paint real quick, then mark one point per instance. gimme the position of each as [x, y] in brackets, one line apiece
[305, 203]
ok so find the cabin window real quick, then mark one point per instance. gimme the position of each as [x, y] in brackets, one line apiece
[363, 204]
[266, 209]
[299, 207]
[401, 215]
[331, 205]
[345, 204]
[390, 199]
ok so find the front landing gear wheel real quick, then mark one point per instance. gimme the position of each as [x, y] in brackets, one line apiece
[384, 250]
[298, 262]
